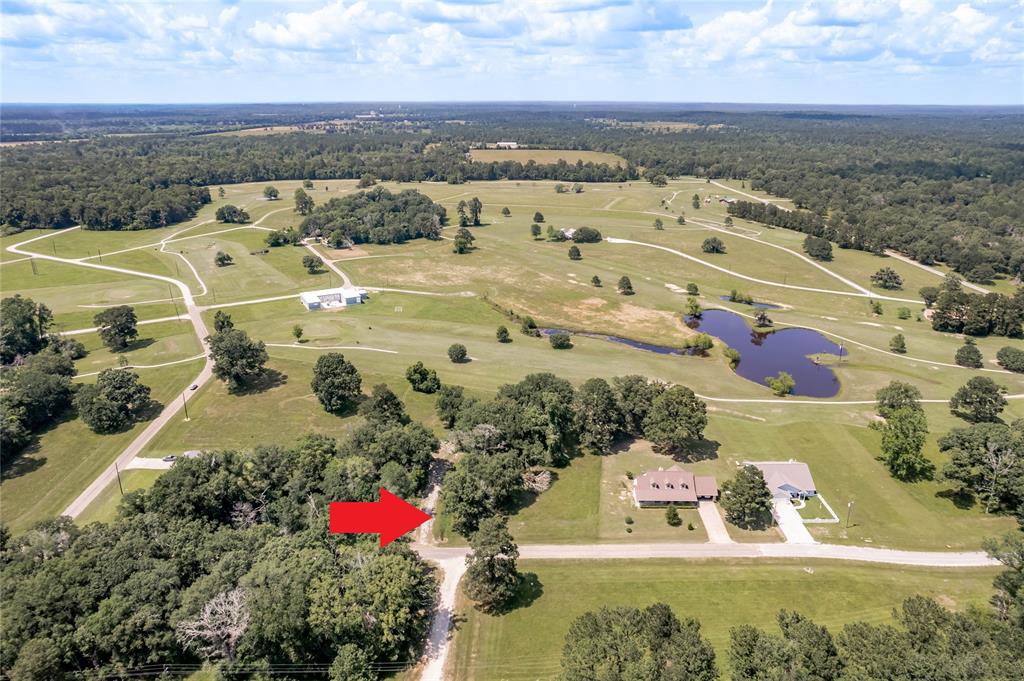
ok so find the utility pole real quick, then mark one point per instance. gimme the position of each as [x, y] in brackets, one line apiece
[173, 301]
[99, 254]
[849, 512]
[33, 263]
[119, 485]
[184, 403]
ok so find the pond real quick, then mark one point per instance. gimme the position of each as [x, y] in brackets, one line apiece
[766, 354]
[650, 347]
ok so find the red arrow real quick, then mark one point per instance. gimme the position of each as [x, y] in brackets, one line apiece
[390, 517]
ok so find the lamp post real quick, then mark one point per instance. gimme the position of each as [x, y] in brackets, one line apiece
[849, 512]
[118, 473]
[184, 403]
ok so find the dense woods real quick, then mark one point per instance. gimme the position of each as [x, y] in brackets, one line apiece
[938, 186]
[376, 216]
[228, 559]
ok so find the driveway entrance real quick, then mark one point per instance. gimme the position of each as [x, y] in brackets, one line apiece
[790, 522]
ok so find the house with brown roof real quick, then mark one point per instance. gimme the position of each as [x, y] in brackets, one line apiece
[673, 486]
[787, 479]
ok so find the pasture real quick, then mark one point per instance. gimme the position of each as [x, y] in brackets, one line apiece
[424, 297]
[526, 643]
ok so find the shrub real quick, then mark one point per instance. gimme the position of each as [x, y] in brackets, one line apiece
[713, 245]
[672, 516]
[457, 353]
[586, 235]
[782, 384]
[629, 520]
[422, 379]
[502, 335]
[969, 355]
[574, 253]
[887, 278]
[560, 341]
[1011, 359]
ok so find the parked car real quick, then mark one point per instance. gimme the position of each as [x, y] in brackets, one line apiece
[169, 457]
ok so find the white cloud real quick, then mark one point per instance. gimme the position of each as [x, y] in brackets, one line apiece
[581, 44]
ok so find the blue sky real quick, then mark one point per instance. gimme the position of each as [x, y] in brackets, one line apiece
[796, 51]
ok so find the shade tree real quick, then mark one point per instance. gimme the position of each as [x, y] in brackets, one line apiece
[746, 499]
[980, 399]
[117, 327]
[422, 379]
[115, 401]
[491, 578]
[237, 359]
[336, 382]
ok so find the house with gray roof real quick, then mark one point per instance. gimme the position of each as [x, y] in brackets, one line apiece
[787, 479]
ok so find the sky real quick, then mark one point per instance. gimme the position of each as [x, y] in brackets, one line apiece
[968, 52]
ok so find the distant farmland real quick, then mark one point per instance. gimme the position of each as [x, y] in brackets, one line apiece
[546, 156]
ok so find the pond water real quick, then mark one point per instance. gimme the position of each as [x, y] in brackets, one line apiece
[759, 306]
[766, 354]
[650, 347]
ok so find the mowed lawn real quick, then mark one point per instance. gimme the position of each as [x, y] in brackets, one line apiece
[67, 457]
[104, 508]
[591, 497]
[526, 643]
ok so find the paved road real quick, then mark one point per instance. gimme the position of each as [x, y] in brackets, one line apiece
[949, 559]
[855, 294]
[171, 409]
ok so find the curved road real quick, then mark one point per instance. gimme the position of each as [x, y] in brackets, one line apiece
[616, 240]
[109, 474]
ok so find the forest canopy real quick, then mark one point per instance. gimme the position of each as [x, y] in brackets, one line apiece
[376, 216]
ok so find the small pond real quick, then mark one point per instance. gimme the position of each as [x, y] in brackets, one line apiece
[650, 347]
[759, 306]
[766, 354]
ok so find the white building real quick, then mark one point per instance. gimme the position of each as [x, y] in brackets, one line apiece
[332, 297]
[506, 145]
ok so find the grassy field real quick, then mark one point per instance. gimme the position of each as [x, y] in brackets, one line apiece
[467, 298]
[526, 643]
[68, 456]
[542, 156]
[104, 508]
[589, 499]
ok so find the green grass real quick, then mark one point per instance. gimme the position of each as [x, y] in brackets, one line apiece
[510, 270]
[69, 456]
[156, 344]
[104, 508]
[526, 643]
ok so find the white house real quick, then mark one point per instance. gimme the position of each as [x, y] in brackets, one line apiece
[332, 297]
[506, 145]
